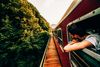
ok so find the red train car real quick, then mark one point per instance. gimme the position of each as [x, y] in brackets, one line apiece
[86, 12]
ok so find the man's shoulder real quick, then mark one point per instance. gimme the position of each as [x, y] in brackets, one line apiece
[93, 35]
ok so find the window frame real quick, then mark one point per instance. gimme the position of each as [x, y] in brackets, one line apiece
[86, 51]
[60, 37]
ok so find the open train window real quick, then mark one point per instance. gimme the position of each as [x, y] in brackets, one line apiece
[89, 21]
[59, 35]
[88, 56]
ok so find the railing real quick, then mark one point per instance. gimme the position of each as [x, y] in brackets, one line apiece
[92, 54]
[44, 55]
[85, 58]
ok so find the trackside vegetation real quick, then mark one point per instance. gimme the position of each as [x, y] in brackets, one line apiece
[23, 34]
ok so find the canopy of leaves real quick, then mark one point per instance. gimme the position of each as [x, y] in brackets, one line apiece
[23, 34]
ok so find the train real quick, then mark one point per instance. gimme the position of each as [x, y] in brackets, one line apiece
[86, 12]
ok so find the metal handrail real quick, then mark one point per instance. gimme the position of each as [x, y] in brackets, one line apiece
[44, 54]
[92, 54]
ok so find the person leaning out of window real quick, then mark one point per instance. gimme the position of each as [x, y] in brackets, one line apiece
[81, 39]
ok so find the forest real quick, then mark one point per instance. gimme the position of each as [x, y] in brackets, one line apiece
[23, 34]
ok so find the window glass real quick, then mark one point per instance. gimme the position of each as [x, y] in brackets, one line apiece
[59, 34]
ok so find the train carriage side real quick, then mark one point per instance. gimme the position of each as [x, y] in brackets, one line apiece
[86, 12]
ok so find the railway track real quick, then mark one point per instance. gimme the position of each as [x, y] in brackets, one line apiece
[51, 56]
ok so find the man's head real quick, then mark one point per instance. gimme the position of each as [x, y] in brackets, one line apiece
[77, 31]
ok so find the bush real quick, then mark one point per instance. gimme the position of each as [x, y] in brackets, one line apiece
[22, 40]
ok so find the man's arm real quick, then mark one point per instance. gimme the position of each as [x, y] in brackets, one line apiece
[77, 46]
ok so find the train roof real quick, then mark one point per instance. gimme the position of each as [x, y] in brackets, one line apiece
[77, 9]
[69, 10]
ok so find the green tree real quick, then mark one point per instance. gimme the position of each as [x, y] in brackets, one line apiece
[23, 34]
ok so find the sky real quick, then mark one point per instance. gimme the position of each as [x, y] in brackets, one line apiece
[52, 10]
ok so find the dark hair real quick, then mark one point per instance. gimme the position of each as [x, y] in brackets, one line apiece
[77, 28]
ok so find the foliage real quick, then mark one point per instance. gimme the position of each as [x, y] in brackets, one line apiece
[23, 34]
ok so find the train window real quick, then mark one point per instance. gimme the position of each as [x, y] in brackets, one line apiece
[89, 21]
[59, 35]
[92, 26]
[68, 37]
[85, 57]
[55, 33]
[88, 56]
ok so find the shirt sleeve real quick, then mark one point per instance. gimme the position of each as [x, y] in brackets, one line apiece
[94, 40]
